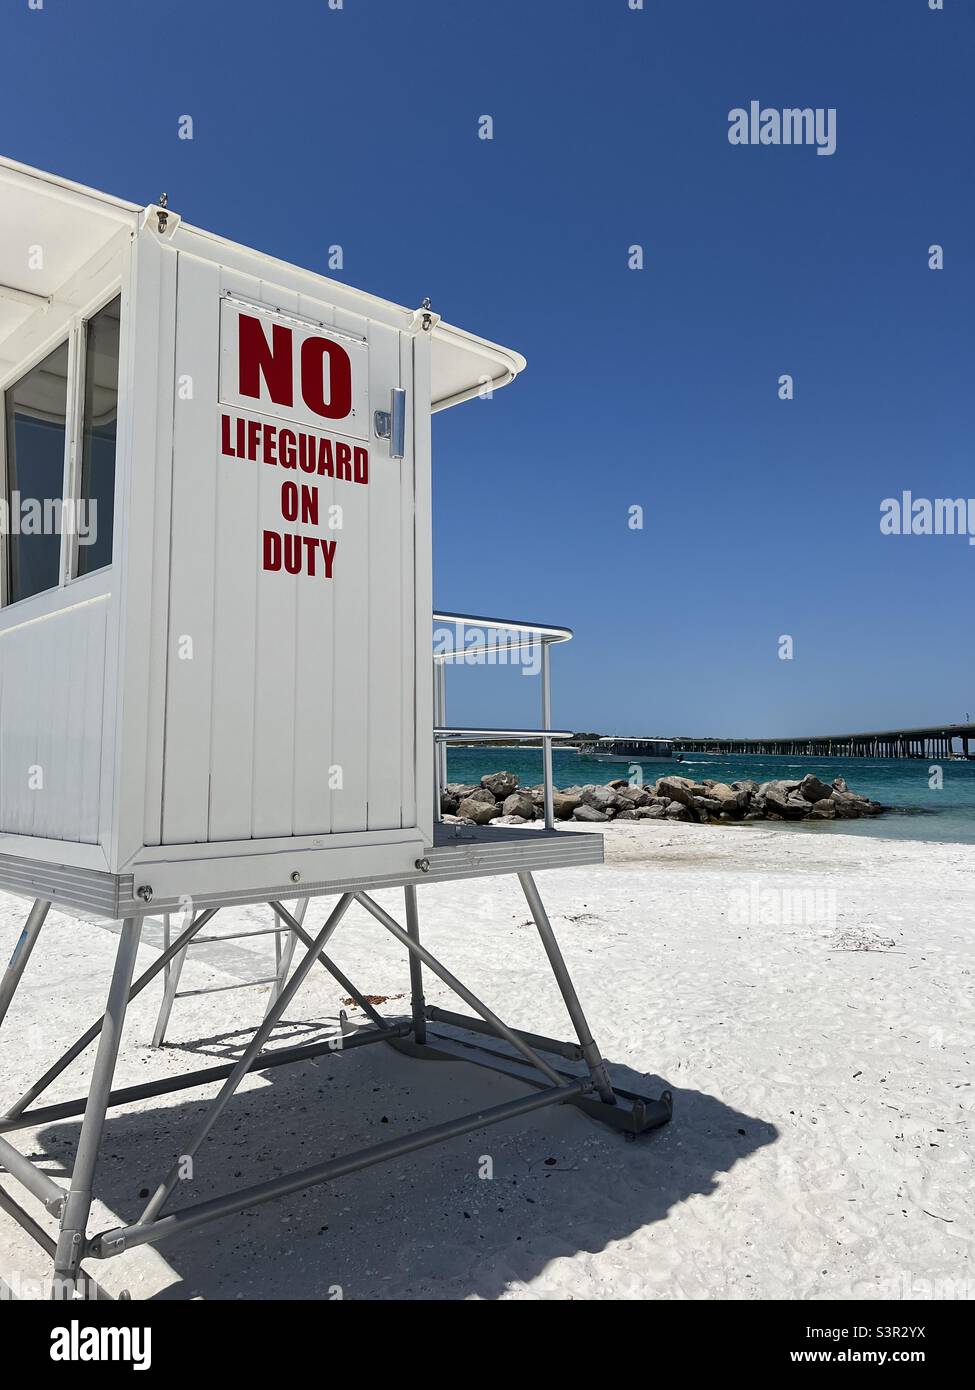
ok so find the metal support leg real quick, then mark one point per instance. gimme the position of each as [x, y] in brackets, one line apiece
[92, 1033]
[162, 1193]
[284, 956]
[173, 972]
[417, 1002]
[74, 1221]
[452, 982]
[329, 965]
[18, 961]
[595, 1063]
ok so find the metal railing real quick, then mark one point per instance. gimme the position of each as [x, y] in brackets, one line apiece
[524, 636]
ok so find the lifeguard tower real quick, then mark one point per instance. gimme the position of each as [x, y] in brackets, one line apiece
[216, 678]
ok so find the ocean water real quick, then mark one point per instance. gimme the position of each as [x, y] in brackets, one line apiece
[919, 811]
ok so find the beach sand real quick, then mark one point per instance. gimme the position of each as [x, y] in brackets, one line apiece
[808, 999]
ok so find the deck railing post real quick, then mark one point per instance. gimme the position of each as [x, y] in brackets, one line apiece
[547, 790]
[21, 953]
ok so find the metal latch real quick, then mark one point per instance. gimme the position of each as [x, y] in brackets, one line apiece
[391, 424]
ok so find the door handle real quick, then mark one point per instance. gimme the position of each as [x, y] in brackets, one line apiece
[391, 424]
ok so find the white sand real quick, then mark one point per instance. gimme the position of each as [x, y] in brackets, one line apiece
[819, 1049]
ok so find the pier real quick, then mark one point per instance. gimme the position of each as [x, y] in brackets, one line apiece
[936, 741]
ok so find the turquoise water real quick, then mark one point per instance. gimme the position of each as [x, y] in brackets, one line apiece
[920, 811]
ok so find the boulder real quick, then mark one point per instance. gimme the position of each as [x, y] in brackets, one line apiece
[480, 812]
[627, 815]
[564, 804]
[510, 820]
[722, 791]
[460, 789]
[785, 787]
[839, 784]
[734, 803]
[588, 813]
[655, 812]
[501, 784]
[636, 796]
[813, 790]
[823, 810]
[480, 794]
[746, 785]
[678, 811]
[676, 789]
[519, 804]
[600, 798]
[709, 804]
[448, 803]
[785, 803]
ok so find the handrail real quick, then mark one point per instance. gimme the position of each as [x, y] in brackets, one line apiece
[492, 735]
[547, 635]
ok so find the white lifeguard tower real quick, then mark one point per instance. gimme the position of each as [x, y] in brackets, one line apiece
[216, 679]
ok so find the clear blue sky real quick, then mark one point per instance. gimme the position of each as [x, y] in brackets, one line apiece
[656, 388]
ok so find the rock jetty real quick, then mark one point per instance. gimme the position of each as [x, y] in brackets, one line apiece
[499, 800]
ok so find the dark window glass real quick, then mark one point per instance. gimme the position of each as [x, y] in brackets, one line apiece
[97, 492]
[35, 410]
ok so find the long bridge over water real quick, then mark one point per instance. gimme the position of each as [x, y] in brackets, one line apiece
[937, 741]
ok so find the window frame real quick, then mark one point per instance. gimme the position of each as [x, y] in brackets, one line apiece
[75, 335]
[69, 546]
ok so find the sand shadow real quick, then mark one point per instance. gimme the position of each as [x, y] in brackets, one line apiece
[428, 1226]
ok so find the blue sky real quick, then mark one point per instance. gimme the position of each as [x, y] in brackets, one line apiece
[654, 387]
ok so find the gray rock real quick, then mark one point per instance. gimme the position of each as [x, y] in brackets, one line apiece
[677, 789]
[784, 803]
[600, 798]
[520, 805]
[733, 802]
[678, 811]
[564, 803]
[627, 815]
[636, 796]
[722, 791]
[823, 809]
[839, 784]
[813, 790]
[448, 803]
[480, 794]
[745, 786]
[480, 812]
[502, 784]
[588, 813]
[655, 812]
[510, 820]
